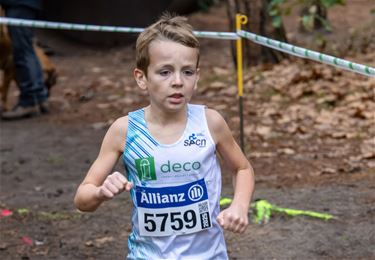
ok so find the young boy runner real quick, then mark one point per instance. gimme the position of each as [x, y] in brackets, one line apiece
[169, 150]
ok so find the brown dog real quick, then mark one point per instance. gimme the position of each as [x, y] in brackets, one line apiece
[8, 68]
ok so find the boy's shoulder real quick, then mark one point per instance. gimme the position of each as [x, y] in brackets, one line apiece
[213, 116]
[121, 120]
[215, 122]
[120, 125]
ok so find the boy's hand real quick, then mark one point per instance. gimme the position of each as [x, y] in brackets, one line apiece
[114, 184]
[234, 219]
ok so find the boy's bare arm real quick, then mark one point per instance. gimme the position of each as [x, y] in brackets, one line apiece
[234, 218]
[98, 185]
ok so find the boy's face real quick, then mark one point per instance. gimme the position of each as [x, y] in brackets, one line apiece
[172, 75]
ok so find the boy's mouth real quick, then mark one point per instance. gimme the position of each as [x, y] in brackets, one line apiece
[176, 98]
[176, 95]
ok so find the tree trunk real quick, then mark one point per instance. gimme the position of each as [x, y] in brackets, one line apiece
[259, 23]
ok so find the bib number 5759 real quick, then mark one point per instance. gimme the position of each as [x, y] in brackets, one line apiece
[176, 220]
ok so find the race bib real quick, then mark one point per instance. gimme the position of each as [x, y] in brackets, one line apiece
[173, 210]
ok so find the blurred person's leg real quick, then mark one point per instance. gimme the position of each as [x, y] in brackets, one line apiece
[29, 73]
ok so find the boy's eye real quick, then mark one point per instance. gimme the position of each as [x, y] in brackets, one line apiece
[164, 72]
[189, 72]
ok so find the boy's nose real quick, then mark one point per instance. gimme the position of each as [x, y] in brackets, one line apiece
[177, 80]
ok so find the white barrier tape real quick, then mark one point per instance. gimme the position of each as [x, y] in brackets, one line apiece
[281, 46]
[217, 35]
[101, 28]
[305, 53]
[66, 26]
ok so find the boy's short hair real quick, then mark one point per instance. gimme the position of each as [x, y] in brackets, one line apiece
[168, 27]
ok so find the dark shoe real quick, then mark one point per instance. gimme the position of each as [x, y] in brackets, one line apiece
[20, 112]
[44, 107]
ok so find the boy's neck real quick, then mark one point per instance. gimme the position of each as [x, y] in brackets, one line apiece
[166, 128]
[160, 117]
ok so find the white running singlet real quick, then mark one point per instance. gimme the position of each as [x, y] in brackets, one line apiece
[176, 192]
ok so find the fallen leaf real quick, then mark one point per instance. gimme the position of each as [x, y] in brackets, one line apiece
[26, 240]
[99, 125]
[3, 246]
[96, 69]
[262, 154]
[127, 101]
[103, 240]
[103, 105]
[338, 135]
[221, 107]
[6, 213]
[264, 131]
[328, 170]
[113, 97]
[368, 149]
[217, 85]
[221, 71]
[287, 151]
[249, 130]
[89, 243]
[229, 91]
[22, 211]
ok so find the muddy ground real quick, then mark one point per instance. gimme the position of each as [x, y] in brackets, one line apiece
[309, 134]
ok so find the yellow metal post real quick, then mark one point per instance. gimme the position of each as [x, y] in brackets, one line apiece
[240, 19]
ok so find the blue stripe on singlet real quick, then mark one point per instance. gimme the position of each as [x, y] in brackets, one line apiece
[140, 125]
[134, 127]
[135, 151]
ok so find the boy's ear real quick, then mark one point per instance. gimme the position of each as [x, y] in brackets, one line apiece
[140, 78]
